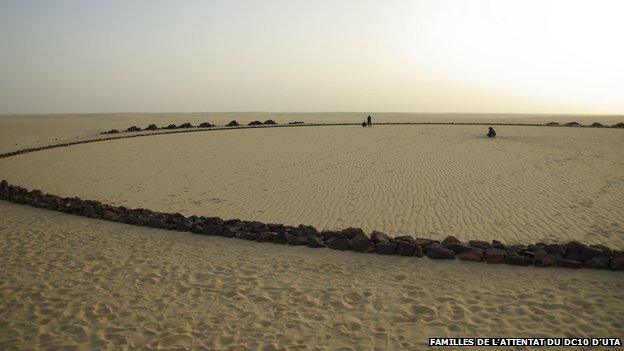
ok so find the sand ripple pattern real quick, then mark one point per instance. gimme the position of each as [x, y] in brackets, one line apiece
[529, 184]
[73, 283]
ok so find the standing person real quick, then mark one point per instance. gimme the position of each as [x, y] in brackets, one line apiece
[368, 121]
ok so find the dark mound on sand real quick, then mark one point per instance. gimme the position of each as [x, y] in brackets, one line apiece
[573, 124]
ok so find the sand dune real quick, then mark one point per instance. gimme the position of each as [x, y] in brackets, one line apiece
[75, 283]
[530, 184]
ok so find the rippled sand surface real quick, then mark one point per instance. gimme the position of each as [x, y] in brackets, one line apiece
[73, 283]
[529, 184]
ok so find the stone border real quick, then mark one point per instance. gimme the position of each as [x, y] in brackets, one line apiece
[570, 255]
[165, 131]
[270, 122]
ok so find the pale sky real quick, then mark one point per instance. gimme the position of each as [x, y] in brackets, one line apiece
[559, 56]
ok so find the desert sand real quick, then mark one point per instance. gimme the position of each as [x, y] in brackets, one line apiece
[75, 283]
[527, 185]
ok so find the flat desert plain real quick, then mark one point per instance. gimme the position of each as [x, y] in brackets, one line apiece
[76, 283]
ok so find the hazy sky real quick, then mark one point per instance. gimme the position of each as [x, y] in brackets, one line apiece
[406, 56]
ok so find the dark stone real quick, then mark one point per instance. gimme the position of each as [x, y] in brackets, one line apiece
[230, 231]
[407, 238]
[351, 232]
[361, 243]
[232, 123]
[418, 251]
[36, 193]
[438, 252]
[617, 264]
[405, 248]
[406, 245]
[152, 127]
[494, 255]
[212, 229]
[275, 227]
[469, 253]
[88, 210]
[607, 251]
[270, 122]
[186, 125]
[574, 247]
[454, 246]
[255, 123]
[338, 243]
[556, 249]
[598, 263]
[213, 220]
[264, 237]
[133, 129]
[296, 239]
[315, 241]
[498, 245]
[128, 219]
[385, 248]
[479, 244]
[245, 235]
[109, 215]
[424, 242]
[280, 238]
[517, 248]
[378, 237]
[183, 226]
[256, 226]
[205, 125]
[585, 254]
[308, 230]
[171, 126]
[617, 254]
[449, 240]
[515, 259]
[562, 262]
[544, 259]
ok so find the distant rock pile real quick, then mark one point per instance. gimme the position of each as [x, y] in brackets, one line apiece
[593, 125]
[154, 127]
[570, 255]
